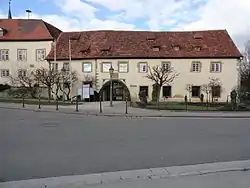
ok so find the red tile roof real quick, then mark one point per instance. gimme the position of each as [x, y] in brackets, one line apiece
[27, 29]
[139, 44]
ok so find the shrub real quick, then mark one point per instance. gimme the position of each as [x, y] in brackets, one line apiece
[4, 87]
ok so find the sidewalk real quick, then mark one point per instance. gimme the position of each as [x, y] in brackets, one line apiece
[233, 174]
[119, 110]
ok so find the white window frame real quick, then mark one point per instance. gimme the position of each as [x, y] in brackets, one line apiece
[66, 66]
[40, 54]
[54, 67]
[4, 55]
[166, 64]
[86, 63]
[106, 63]
[21, 54]
[143, 67]
[215, 67]
[123, 63]
[5, 72]
[22, 72]
[196, 66]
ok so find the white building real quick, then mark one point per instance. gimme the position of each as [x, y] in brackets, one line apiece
[196, 55]
[24, 45]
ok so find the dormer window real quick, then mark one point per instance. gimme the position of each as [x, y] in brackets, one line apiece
[176, 48]
[156, 48]
[85, 49]
[105, 48]
[197, 48]
[197, 36]
[151, 37]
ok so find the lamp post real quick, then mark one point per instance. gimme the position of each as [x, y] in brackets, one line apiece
[63, 71]
[111, 71]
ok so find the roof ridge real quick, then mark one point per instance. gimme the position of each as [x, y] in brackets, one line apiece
[49, 27]
[163, 31]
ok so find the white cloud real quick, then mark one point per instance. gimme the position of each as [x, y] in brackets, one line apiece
[232, 15]
[186, 14]
[156, 14]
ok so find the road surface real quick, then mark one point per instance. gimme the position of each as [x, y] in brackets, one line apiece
[41, 144]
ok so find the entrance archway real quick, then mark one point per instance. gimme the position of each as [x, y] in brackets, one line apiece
[120, 91]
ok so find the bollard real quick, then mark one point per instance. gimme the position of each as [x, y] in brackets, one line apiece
[23, 100]
[39, 102]
[186, 102]
[100, 99]
[126, 109]
[77, 110]
[56, 104]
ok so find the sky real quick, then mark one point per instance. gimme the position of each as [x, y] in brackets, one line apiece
[154, 15]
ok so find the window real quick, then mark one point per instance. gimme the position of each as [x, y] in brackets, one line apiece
[54, 67]
[123, 66]
[66, 66]
[4, 55]
[22, 55]
[215, 67]
[196, 66]
[216, 91]
[143, 67]
[144, 88]
[5, 73]
[165, 65]
[22, 72]
[40, 54]
[196, 91]
[86, 67]
[106, 67]
[167, 91]
[156, 49]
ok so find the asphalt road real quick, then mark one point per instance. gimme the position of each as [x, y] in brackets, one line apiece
[40, 144]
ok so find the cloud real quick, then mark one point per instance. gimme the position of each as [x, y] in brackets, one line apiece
[233, 16]
[185, 15]
[152, 15]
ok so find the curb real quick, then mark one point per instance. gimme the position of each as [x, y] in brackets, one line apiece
[133, 175]
[133, 116]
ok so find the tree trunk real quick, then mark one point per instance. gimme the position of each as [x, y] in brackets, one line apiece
[49, 94]
[67, 94]
[158, 92]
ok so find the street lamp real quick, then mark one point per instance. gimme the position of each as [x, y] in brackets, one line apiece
[111, 71]
[63, 72]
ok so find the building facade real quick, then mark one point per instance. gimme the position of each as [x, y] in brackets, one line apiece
[197, 57]
[24, 45]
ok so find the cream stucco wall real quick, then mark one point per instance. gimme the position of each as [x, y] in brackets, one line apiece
[228, 76]
[13, 64]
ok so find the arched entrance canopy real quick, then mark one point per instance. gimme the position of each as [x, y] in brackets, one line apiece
[119, 91]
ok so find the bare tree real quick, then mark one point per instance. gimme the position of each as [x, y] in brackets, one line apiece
[47, 78]
[245, 68]
[189, 90]
[27, 81]
[161, 76]
[215, 86]
[205, 88]
[67, 79]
